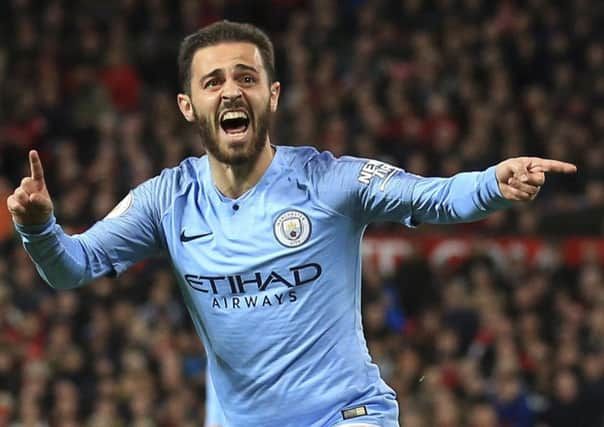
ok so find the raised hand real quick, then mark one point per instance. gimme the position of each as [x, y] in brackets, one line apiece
[521, 178]
[30, 203]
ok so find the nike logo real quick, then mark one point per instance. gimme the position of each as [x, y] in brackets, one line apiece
[184, 238]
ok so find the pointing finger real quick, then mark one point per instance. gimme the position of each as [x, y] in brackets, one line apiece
[548, 165]
[37, 173]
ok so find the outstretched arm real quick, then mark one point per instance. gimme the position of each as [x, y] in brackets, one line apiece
[60, 260]
[370, 190]
[110, 246]
[471, 196]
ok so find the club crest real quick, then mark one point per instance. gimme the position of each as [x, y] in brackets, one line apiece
[122, 207]
[292, 228]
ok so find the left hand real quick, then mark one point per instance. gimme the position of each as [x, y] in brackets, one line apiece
[520, 178]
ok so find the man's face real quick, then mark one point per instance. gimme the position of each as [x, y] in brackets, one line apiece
[231, 101]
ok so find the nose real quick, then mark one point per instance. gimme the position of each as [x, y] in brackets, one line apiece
[231, 90]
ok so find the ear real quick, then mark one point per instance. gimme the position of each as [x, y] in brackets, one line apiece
[274, 99]
[186, 107]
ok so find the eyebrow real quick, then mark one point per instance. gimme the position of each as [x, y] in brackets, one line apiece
[218, 71]
[245, 68]
[214, 73]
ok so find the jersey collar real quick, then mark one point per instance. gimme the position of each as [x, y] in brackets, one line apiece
[272, 172]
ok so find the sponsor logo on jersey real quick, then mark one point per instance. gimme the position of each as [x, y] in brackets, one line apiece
[253, 301]
[259, 281]
[122, 207]
[374, 169]
[255, 289]
[292, 228]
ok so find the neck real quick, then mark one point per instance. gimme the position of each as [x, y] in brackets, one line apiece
[234, 180]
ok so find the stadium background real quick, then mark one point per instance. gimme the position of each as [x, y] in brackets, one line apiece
[499, 323]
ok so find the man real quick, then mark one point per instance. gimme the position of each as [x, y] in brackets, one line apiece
[265, 240]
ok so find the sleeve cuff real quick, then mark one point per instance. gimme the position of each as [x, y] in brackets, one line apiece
[36, 229]
[494, 197]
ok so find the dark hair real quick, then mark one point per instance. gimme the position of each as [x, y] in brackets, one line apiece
[223, 31]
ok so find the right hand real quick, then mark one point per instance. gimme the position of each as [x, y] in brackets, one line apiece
[30, 203]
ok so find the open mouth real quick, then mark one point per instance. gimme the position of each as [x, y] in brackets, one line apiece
[234, 122]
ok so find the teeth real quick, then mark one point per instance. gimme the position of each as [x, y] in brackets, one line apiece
[234, 115]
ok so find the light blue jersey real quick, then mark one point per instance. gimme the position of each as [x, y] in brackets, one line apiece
[214, 412]
[271, 279]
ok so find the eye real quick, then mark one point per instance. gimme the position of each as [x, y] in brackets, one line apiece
[248, 79]
[211, 83]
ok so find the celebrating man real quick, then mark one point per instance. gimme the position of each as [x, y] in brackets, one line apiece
[265, 240]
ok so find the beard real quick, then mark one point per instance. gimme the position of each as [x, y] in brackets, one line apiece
[209, 136]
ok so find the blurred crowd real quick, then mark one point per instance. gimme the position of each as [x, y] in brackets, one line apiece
[435, 87]
[480, 343]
